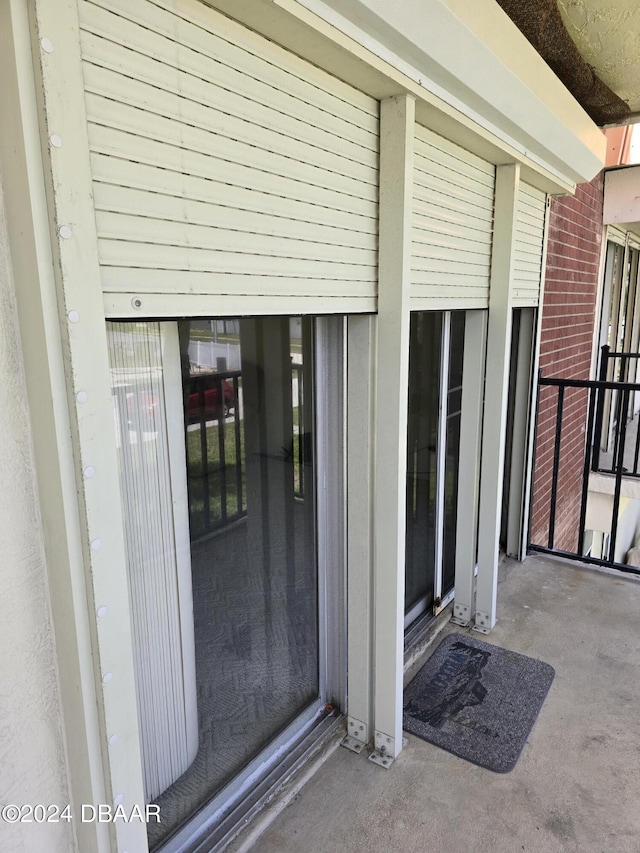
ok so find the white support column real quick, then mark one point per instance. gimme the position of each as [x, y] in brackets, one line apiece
[98, 692]
[360, 432]
[496, 394]
[396, 195]
[469, 465]
[33, 267]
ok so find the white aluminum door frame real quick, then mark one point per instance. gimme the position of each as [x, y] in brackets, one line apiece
[522, 414]
[473, 374]
[330, 386]
[441, 460]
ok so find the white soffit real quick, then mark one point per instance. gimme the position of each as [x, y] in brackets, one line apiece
[349, 50]
[472, 56]
[477, 79]
[469, 56]
[622, 198]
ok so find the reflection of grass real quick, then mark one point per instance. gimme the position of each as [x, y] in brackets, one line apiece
[222, 476]
[231, 453]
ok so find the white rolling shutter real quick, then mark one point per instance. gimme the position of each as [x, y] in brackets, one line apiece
[529, 244]
[452, 225]
[224, 165]
[616, 235]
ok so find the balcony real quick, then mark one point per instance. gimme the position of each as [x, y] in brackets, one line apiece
[586, 488]
[574, 787]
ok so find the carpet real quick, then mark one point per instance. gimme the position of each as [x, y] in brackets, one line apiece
[477, 701]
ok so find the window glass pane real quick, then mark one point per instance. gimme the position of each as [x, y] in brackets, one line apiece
[422, 456]
[452, 453]
[241, 392]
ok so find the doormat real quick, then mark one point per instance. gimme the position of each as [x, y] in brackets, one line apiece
[477, 701]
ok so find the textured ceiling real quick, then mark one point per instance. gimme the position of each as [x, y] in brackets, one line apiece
[541, 23]
[607, 35]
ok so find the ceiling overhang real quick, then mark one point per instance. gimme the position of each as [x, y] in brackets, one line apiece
[578, 41]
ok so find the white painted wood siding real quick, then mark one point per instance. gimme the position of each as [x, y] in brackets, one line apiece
[223, 165]
[452, 225]
[529, 244]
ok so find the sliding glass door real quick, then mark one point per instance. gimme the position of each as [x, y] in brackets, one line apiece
[216, 430]
[436, 347]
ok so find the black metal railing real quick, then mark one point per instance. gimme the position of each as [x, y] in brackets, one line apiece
[215, 452]
[613, 409]
[598, 392]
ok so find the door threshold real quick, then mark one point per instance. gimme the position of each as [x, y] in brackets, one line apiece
[421, 637]
[239, 830]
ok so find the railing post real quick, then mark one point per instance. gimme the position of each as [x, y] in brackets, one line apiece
[596, 438]
[556, 466]
[218, 385]
[238, 443]
[534, 457]
[618, 462]
[592, 396]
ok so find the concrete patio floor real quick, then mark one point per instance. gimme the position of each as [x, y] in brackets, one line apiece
[576, 786]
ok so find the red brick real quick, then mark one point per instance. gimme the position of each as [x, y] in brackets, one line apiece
[568, 318]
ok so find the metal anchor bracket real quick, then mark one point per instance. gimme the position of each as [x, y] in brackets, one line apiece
[385, 753]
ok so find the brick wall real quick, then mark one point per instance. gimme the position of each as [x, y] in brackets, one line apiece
[568, 322]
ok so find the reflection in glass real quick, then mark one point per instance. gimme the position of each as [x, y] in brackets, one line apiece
[425, 339]
[452, 451]
[245, 404]
[436, 348]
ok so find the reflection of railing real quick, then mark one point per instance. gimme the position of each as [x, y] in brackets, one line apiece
[300, 452]
[596, 396]
[215, 454]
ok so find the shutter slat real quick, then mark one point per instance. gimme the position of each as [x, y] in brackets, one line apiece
[118, 279]
[158, 232]
[131, 202]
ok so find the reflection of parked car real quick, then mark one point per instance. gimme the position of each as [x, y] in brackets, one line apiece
[210, 397]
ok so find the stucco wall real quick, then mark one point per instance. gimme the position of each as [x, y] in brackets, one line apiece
[32, 759]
